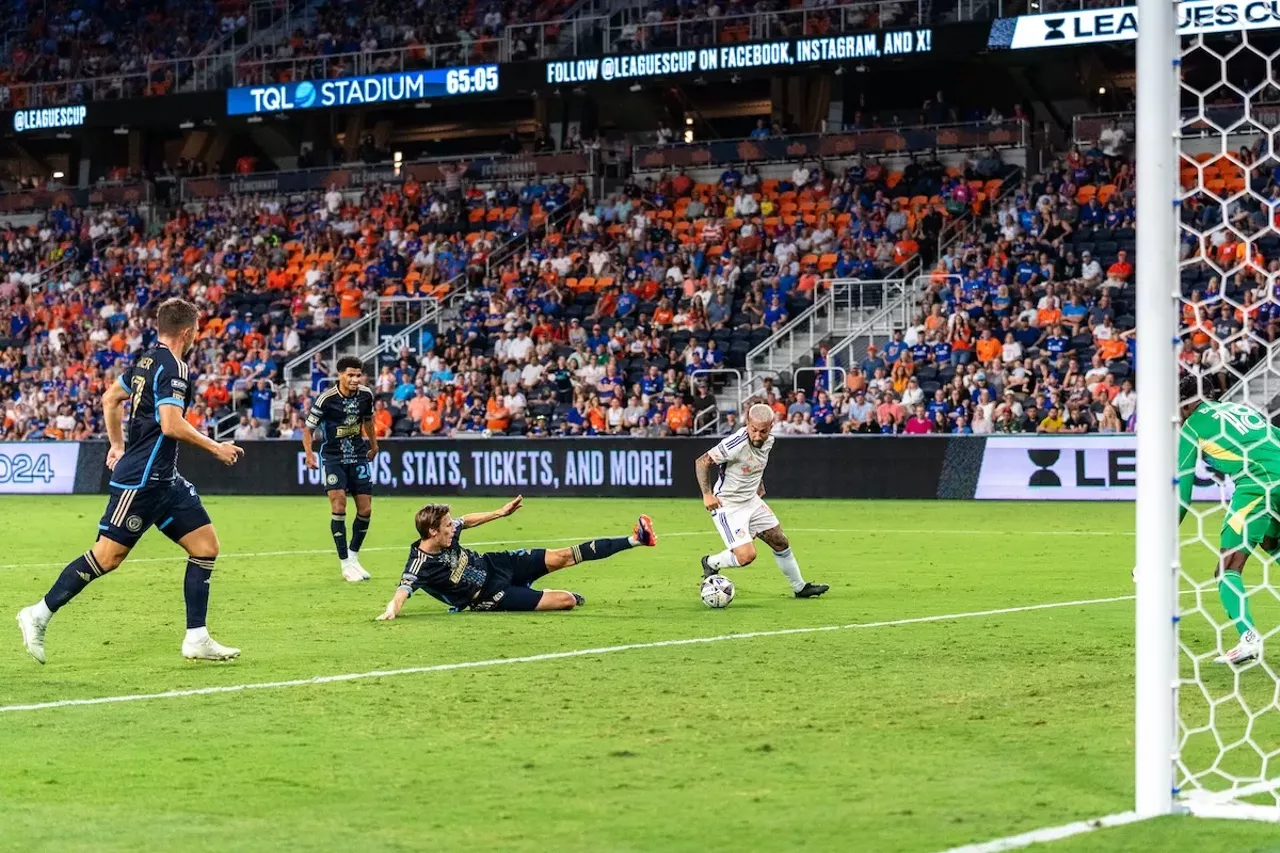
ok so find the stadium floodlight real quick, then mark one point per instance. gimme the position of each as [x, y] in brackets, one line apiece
[1207, 739]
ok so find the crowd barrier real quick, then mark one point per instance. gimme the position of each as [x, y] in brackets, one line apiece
[944, 467]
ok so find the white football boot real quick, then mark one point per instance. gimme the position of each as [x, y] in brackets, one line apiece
[207, 648]
[33, 628]
[354, 559]
[1249, 648]
[352, 572]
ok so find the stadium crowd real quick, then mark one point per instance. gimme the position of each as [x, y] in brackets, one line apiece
[577, 315]
[78, 40]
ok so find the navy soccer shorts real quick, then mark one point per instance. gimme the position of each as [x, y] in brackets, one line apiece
[354, 478]
[174, 508]
[511, 574]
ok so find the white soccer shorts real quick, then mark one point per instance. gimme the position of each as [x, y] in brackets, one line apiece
[741, 523]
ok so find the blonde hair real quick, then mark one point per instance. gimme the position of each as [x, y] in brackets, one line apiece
[760, 413]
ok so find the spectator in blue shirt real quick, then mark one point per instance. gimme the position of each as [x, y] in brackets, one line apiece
[894, 349]
[260, 401]
[872, 360]
[761, 131]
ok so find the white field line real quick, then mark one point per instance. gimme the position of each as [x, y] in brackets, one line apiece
[661, 534]
[603, 650]
[1049, 833]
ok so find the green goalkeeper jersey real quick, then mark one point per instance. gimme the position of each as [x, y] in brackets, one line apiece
[1237, 442]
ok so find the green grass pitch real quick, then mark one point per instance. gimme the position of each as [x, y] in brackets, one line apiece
[908, 737]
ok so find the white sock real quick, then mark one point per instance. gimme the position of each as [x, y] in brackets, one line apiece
[724, 560]
[635, 543]
[43, 613]
[196, 635]
[787, 563]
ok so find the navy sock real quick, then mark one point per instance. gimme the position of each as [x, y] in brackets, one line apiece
[599, 549]
[74, 578]
[338, 524]
[359, 528]
[195, 588]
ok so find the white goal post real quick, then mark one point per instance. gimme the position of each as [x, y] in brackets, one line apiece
[1207, 736]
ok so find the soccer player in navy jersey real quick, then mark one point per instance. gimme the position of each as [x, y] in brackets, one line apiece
[464, 579]
[343, 416]
[146, 488]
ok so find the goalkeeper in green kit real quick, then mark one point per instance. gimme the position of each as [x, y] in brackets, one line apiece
[1237, 442]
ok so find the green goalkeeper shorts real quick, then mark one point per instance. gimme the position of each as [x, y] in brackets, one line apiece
[1254, 515]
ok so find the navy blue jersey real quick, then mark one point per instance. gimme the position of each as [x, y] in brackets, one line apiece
[455, 576]
[340, 421]
[158, 378]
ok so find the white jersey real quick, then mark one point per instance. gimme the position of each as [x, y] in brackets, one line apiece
[741, 467]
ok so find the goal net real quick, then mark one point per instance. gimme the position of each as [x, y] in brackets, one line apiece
[1226, 736]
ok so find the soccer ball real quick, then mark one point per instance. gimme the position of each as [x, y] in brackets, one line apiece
[717, 591]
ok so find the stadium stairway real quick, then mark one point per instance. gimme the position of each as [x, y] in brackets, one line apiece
[225, 54]
[847, 317]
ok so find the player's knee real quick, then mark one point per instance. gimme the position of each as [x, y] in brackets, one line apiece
[746, 554]
[779, 543]
[557, 599]
[109, 559]
[338, 503]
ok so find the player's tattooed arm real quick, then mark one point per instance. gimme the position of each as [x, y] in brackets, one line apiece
[475, 519]
[707, 471]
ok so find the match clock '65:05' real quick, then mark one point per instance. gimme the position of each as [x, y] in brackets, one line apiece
[469, 81]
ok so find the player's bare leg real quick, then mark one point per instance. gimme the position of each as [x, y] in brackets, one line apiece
[106, 555]
[730, 558]
[202, 547]
[642, 535]
[1235, 601]
[359, 528]
[787, 564]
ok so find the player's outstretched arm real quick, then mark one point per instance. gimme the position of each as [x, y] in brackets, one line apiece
[175, 426]
[394, 605]
[113, 413]
[475, 519]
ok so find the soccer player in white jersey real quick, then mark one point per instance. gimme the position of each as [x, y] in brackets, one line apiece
[731, 475]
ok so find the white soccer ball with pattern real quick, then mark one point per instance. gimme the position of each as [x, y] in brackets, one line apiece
[717, 591]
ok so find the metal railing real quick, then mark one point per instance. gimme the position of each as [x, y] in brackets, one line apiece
[431, 313]
[329, 350]
[834, 312]
[1086, 128]
[898, 313]
[708, 420]
[226, 425]
[626, 31]
[829, 370]
[960, 136]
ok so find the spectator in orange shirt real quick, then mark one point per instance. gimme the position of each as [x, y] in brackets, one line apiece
[1118, 273]
[1050, 314]
[349, 305]
[382, 419]
[497, 418]
[680, 418]
[988, 348]
[431, 420]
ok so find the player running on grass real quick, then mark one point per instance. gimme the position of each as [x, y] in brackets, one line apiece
[343, 415]
[731, 475]
[1236, 442]
[146, 487]
[498, 580]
